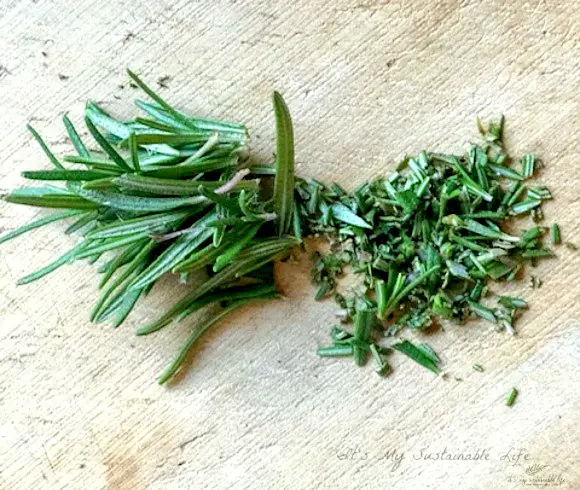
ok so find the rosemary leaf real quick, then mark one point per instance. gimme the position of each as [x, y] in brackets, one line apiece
[151, 223]
[418, 355]
[37, 197]
[107, 147]
[101, 118]
[125, 202]
[75, 138]
[177, 116]
[230, 253]
[62, 260]
[284, 179]
[45, 220]
[125, 277]
[335, 351]
[175, 254]
[555, 234]
[68, 175]
[45, 148]
[197, 332]
[344, 214]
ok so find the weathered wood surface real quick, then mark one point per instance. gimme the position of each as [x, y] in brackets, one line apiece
[366, 81]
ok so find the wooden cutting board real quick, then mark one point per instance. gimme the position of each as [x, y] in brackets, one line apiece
[366, 82]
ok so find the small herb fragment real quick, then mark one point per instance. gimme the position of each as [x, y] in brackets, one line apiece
[511, 397]
[420, 354]
[555, 234]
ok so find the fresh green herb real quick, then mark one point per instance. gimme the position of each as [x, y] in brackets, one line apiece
[478, 368]
[201, 328]
[45, 148]
[45, 220]
[141, 201]
[169, 192]
[382, 367]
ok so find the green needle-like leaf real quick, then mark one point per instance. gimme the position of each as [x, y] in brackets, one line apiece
[133, 146]
[247, 261]
[44, 147]
[43, 198]
[193, 169]
[163, 116]
[197, 138]
[110, 244]
[67, 258]
[123, 257]
[172, 187]
[83, 221]
[107, 147]
[230, 253]
[151, 224]
[125, 202]
[220, 296]
[104, 120]
[284, 179]
[344, 214]
[176, 253]
[198, 331]
[178, 116]
[68, 175]
[75, 138]
[420, 356]
[129, 301]
[45, 220]
[363, 324]
[124, 278]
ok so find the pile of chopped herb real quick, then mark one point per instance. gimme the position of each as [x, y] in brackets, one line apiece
[426, 243]
[167, 192]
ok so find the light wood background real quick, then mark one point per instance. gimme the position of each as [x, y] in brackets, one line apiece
[366, 82]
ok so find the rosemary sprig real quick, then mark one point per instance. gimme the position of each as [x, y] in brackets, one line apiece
[165, 193]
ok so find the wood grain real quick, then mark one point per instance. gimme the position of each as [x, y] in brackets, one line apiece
[366, 81]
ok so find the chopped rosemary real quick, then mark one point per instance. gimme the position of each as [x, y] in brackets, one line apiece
[511, 397]
[420, 354]
[426, 240]
[555, 234]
